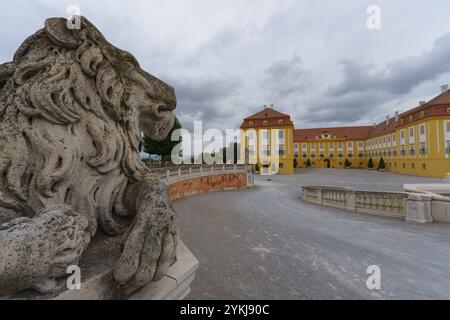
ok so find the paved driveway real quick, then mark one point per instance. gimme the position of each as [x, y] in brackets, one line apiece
[265, 243]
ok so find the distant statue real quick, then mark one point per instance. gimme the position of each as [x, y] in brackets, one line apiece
[72, 107]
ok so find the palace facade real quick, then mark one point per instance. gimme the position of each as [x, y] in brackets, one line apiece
[416, 142]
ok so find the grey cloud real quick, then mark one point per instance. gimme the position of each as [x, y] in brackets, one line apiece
[286, 77]
[205, 99]
[364, 88]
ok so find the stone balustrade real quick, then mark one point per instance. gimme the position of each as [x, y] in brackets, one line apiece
[185, 172]
[419, 203]
[391, 204]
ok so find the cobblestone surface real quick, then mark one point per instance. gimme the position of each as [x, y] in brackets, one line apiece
[265, 243]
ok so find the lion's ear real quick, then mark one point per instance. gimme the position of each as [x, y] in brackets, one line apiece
[59, 32]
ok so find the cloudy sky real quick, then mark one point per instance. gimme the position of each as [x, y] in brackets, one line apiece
[315, 60]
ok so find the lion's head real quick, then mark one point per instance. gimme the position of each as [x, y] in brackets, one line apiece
[72, 107]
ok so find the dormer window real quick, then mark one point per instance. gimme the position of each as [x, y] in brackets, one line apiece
[265, 123]
[448, 111]
[280, 121]
[250, 123]
[422, 114]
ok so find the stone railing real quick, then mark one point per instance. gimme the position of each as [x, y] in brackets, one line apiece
[185, 172]
[391, 204]
[437, 207]
[194, 179]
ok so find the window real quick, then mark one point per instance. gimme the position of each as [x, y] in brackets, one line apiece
[340, 155]
[448, 126]
[282, 150]
[281, 134]
[402, 134]
[250, 123]
[321, 145]
[413, 166]
[403, 151]
[280, 121]
[448, 148]
[281, 165]
[412, 150]
[265, 123]
[423, 149]
[331, 154]
[422, 130]
[305, 155]
[404, 165]
[424, 166]
[411, 133]
[265, 151]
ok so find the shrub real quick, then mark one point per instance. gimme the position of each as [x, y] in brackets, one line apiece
[381, 164]
[257, 167]
[370, 165]
[308, 163]
[347, 163]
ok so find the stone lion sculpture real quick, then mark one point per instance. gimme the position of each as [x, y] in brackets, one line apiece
[72, 107]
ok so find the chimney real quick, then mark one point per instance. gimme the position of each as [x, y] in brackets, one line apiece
[423, 102]
[397, 116]
[444, 88]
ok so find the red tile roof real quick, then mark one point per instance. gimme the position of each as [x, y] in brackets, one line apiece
[350, 133]
[270, 115]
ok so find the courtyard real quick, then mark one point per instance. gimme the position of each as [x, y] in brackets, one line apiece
[265, 243]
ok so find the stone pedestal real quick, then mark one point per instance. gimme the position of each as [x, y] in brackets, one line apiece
[418, 208]
[97, 280]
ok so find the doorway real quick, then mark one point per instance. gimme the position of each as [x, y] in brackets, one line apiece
[327, 163]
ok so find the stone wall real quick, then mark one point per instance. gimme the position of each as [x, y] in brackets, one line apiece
[203, 184]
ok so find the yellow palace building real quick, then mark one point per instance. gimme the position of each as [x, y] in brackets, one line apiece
[416, 142]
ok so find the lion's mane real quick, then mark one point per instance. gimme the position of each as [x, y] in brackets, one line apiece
[66, 130]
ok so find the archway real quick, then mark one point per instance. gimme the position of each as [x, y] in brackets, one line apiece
[327, 163]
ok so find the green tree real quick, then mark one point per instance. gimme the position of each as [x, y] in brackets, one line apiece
[370, 164]
[164, 147]
[257, 167]
[308, 163]
[347, 163]
[381, 164]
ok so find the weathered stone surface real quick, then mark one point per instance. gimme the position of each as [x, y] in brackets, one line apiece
[97, 281]
[228, 181]
[71, 110]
